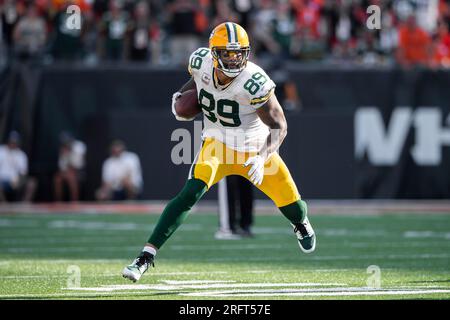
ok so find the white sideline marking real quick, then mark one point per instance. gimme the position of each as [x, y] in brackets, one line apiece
[127, 248]
[42, 245]
[114, 288]
[78, 294]
[172, 285]
[180, 286]
[328, 232]
[178, 282]
[144, 293]
[108, 275]
[409, 244]
[36, 277]
[189, 273]
[351, 233]
[93, 225]
[271, 230]
[116, 226]
[68, 249]
[36, 241]
[361, 257]
[111, 275]
[223, 259]
[185, 273]
[76, 261]
[426, 234]
[423, 287]
[93, 240]
[300, 293]
[258, 285]
[13, 223]
[227, 247]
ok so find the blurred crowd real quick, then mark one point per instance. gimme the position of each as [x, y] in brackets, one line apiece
[165, 32]
[121, 173]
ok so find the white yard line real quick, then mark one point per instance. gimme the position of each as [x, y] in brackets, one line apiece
[200, 285]
[348, 257]
[146, 293]
[80, 294]
[323, 207]
[224, 259]
[40, 242]
[19, 277]
[305, 292]
[179, 282]
[426, 234]
[227, 247]
[66, 249]
[87, 225]
[313, 294]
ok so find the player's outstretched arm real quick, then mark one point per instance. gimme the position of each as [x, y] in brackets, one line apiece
[272, 115]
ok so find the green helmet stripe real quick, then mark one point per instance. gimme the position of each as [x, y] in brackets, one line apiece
[228, 32]
[235, 32]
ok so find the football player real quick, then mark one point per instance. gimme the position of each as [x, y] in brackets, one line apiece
[242, 120]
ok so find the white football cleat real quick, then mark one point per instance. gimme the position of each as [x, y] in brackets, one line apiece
[139, 266]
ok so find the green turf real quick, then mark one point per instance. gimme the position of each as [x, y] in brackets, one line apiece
[412, 252]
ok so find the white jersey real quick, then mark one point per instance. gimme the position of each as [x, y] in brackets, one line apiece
[13, 164]
[229, 112]
[74, 158]
[116, 169]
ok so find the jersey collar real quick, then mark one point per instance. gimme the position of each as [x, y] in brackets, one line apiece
[216, 81]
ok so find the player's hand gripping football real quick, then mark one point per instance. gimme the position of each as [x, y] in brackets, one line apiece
[256, 172]
[175, 96]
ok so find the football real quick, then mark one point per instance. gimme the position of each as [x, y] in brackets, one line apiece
[187, 105]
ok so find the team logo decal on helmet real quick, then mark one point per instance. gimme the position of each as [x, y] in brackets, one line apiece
[230, 48]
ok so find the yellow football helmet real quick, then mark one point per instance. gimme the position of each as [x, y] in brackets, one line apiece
[230, 48]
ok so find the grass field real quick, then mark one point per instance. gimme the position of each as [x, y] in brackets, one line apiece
[42, 254]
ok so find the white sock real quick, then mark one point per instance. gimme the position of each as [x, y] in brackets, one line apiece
[150, 250]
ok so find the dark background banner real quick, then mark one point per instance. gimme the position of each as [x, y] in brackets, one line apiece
[331, 152]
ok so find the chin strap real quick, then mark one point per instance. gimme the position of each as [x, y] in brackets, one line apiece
[231, 74]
